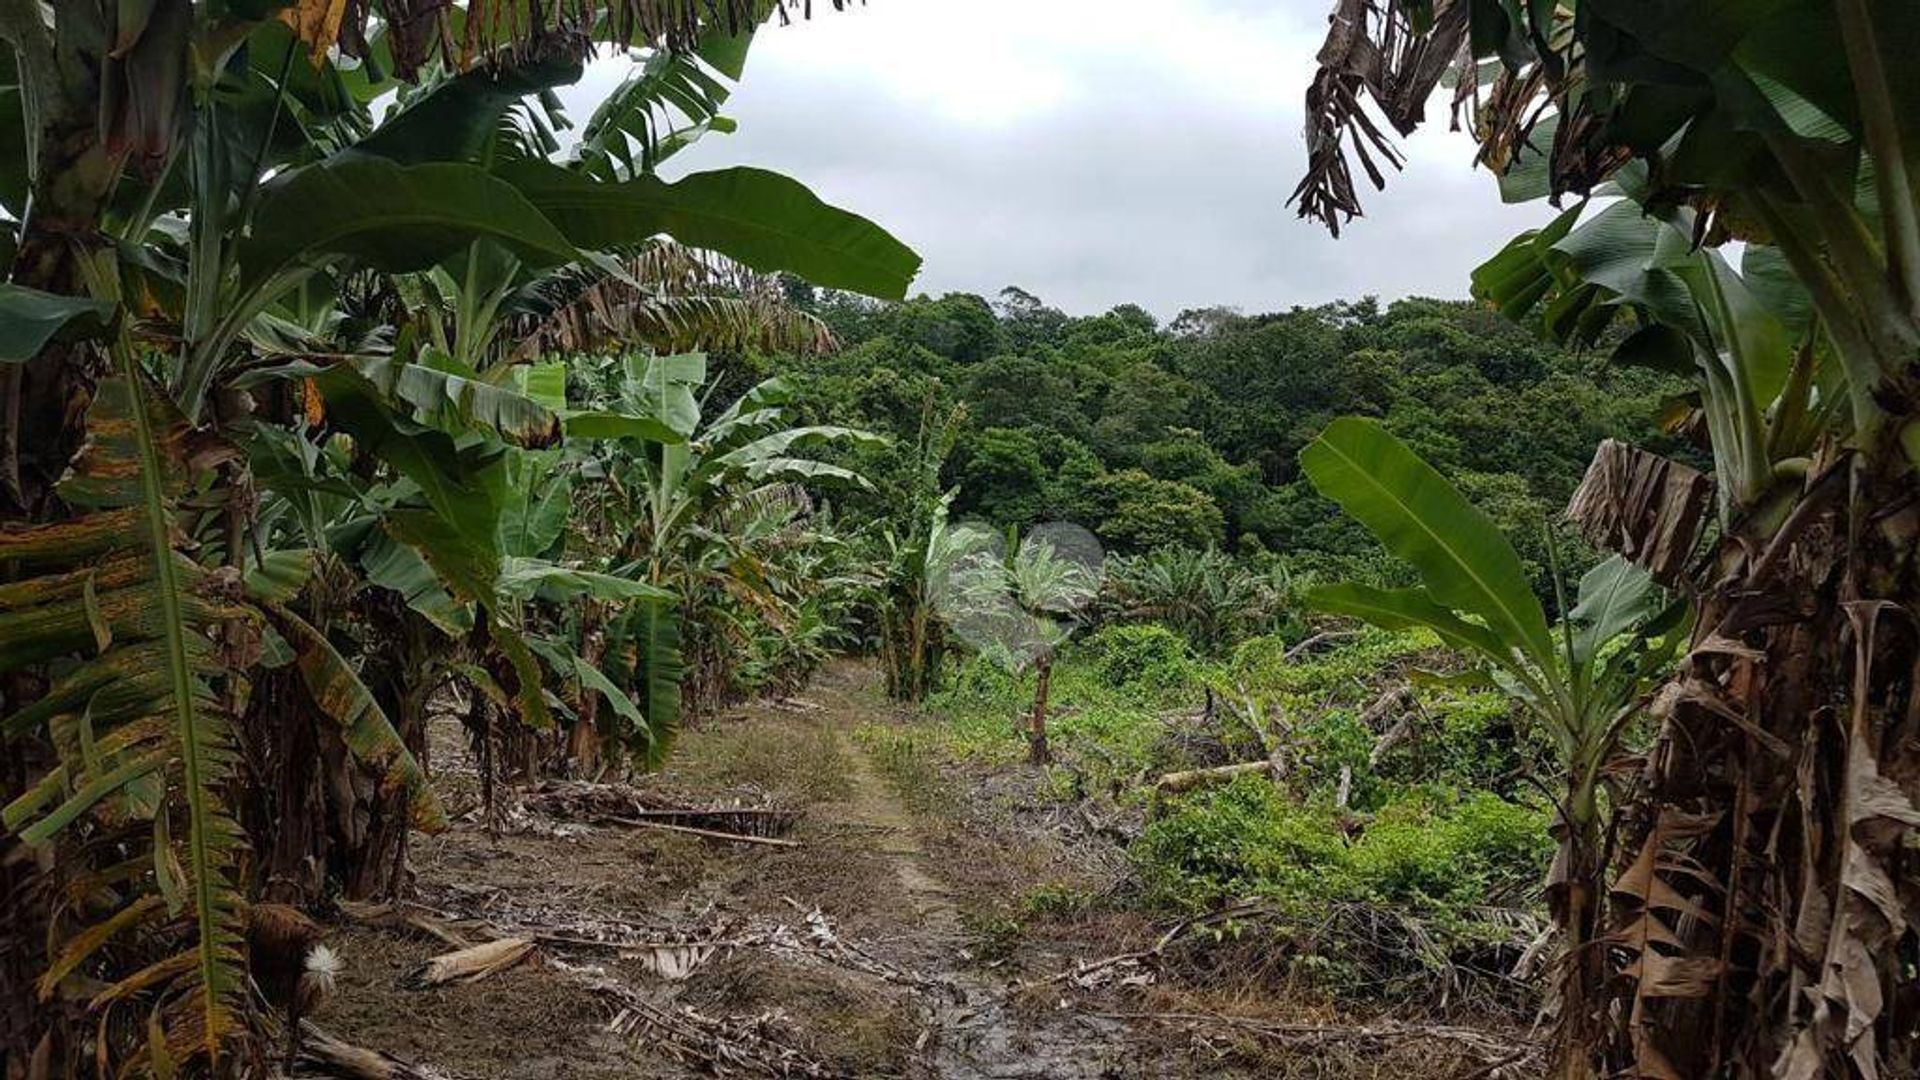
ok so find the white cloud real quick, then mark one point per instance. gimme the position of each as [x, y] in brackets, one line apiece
[1097, 151]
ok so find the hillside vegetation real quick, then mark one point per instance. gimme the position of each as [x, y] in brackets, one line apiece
[1189, 434]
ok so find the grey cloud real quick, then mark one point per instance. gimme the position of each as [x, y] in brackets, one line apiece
[1164, 193]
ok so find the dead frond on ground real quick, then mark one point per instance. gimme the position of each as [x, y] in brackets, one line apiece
[758, 1045]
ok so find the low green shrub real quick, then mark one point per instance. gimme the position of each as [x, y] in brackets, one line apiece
[1240, 839]
[1446, 859]
[1462, 736]
[1115, 740]
[1145, 656]
[1350, 665]
[1478, 740]
[1427, 854]
[977, 682]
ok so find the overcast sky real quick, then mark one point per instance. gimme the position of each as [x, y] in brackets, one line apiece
[1096, 152]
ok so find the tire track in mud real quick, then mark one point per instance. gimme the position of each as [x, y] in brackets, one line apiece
[873, 807]
[974, 1032]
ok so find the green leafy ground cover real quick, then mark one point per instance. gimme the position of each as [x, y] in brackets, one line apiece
[1442, 840]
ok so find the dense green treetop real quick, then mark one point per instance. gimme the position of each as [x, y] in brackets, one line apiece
[1190, 433]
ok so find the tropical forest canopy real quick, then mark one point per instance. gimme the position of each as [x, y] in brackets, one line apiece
[1189, 434]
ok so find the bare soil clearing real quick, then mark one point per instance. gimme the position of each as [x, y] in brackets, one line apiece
[895, 939]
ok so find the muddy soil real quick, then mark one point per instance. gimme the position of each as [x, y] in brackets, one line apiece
[899, 936]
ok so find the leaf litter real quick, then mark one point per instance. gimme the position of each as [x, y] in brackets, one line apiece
[580, 946]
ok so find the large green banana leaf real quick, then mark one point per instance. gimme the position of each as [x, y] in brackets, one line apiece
[1411, 609]
[663, 106]
[535, 502]
[1463, 560]
[437, 391]
[655, 627]
[457, 479]
[757, 218]
[455, 119]
[390, 217]
[643, 654]
[29, 318]
[523, 577]
[1615, 597]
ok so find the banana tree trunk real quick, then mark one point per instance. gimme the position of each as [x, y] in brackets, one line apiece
[1767, 891]
[582, 752]
[376, 869]
[1575, 886]
[286, 806]
[911, 649]
[1038, 752]
[43, 408]
[312, 812]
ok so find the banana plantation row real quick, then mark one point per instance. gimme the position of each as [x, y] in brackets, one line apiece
[345, 380]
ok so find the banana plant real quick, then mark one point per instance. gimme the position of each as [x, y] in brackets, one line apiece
[912, 548]
[1769, 388]
[141, 745]
[195, 174]
[1583, 682]
[1786, 127]
[676, 465]
[547, 582]
[669, 473]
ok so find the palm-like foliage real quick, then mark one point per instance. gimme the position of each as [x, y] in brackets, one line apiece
[1583, 682]
[1210, 598]
[270, 264]
[1787, 126]
[665, 296]
[1018, 606]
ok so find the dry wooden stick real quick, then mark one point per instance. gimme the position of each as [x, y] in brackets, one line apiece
[1174, 933]
[1174, 783]
[711, 834]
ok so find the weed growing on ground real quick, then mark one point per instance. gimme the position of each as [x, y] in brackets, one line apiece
[1427, 870]
[909, 759]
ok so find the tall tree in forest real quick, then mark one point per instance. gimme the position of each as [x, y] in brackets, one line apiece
[1765, 902]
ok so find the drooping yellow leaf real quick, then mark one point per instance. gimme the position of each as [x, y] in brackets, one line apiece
[317, 24]
[84, 944]
[157, 1049]
[170, 968]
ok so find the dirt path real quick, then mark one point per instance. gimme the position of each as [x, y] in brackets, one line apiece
[973, 1029]
[924, 925]
[858, 953]
[874, 806]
